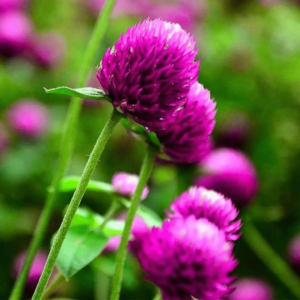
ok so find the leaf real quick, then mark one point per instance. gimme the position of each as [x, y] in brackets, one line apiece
[86, 93]
[70, 183]
[148, 215]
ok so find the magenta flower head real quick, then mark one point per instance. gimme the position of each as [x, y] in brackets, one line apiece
[48, 49]
[187, 257]
[149, 72]
[6, 5]
[186, 137]
[35, 270]
[125, 185]
[251, 289]
[139, 227]
[15, 30]
[230, 173]
[29, 118]
[293, 252]
[207, 204]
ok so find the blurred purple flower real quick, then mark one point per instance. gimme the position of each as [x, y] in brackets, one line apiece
[207, 204]
[15, 31]
[139, 227]
[3, 139]
[294, 253]
[251, 289]
[234, 131]
[187, 257]
[6, 5]
[48, 49]
[28, 118]
[230, 173]
[125, 184]
[35, 270]
[186, 136]
[149, 72]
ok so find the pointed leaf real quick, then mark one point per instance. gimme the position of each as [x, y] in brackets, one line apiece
[86, 93]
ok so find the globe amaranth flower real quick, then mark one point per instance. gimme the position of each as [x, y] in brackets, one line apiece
[230, 173]
[186, 137]
[29, 118]
[15, 31]
[149, 72]
[139, 227]
[251, 289]
[293, 251]
[6, 5]
[125, 184]
[35, 270]
[203, 203]
[187, 257]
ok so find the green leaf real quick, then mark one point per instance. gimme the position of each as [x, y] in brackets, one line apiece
[148, 215]
[86, 93]
[70, 183]
[83, 243]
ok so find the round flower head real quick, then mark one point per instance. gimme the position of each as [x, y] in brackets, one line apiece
[139, 227]
[230, 173]
[186, 137]
[294, 253]
[35, 270]
[187, 257]
[48, 49]
[203, 203]
[251, 289]
[125, 184]
[15, 30]
[149, 72]
[28, 117]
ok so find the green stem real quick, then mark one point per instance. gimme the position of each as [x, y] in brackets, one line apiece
[75, 201]
[135, 200]
[66, 149]
[273, 261]
[102, 285]
[112, 211]
[53, 286]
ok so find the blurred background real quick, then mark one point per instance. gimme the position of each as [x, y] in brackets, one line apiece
[250, 62]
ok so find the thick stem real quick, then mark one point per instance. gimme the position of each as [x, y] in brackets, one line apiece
[54, 285]
[75, 201]
[135, 200]
[66, 149]
[272, 260]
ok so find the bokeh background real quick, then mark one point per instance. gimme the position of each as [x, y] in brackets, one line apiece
[250, 62]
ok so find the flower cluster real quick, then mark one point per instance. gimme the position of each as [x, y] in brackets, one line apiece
[151, 76]
[198, 237]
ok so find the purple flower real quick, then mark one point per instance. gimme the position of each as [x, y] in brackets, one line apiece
[251, 289]
[187, 257]
[186, 137]
[149, 72]
[139, 227]
[15, 30]
[28, 118]
[6, 5]
[3, 140]
[207, 204]
[125, 184]
[230, 173]
[294, 253]
[35, 270]
[48, 49]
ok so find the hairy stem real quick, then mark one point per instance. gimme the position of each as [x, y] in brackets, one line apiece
[66, 149]
[75, 201]
[135, 200]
